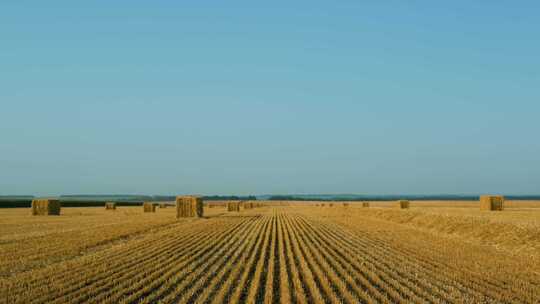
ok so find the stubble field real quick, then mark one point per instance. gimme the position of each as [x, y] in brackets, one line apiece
[434, 252]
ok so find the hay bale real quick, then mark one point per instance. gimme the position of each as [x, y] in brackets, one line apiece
[162, 205]
[46, 207]
[216, 204]
[149, 207]
[403, 204]
[322, 205]
[330, 204]
[345, 204]
[365, 204]
[233, 206]
[492, 202]
[248, 205]
[189, 206]
[110, 206]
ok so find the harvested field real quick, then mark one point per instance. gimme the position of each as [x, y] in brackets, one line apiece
[275, 254]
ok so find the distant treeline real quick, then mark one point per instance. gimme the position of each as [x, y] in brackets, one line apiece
[27, 203]
[395, 197]
[299, 198]
[153, 198]
[134, 200]
[112, 198]
[322, 199]
[79, 200]
[291, 198]
[99, 200]
[229, 198]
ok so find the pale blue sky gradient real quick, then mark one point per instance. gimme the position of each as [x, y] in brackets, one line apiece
[239, 97]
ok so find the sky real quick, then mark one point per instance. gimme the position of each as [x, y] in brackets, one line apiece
[240, 97]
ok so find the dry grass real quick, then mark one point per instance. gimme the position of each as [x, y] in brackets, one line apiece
[276, 254]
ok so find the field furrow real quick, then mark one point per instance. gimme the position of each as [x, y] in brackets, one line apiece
[325, 277]
[373, 276]
[381, 258]
[271, 282]
[192, 286]
[139, 285]
[239, 292]
[85, 262]
[221, 279]
[105, 288]
[225, 287]
[451, 281]
[342, 285]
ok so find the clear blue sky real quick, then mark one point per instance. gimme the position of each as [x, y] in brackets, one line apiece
[164, 97]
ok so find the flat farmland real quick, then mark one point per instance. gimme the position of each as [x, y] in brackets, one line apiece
[434, 252]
